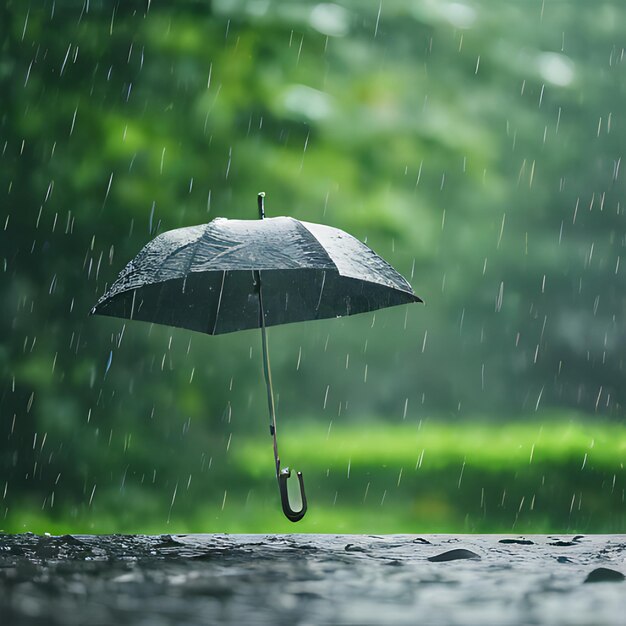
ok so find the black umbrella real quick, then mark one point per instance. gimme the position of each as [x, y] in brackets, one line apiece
[208, 278]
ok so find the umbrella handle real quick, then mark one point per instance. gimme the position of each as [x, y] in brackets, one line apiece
[290, 514]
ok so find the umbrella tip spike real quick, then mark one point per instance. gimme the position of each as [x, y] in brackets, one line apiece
[261, 204]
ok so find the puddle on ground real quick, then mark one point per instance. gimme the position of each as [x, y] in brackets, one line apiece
[73, 580]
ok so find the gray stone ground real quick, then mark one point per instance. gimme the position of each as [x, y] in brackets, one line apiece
[312, 579]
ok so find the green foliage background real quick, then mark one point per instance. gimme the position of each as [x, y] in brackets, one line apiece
[476, 146]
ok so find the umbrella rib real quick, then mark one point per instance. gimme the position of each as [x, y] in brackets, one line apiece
[139, 270]
[314, 241]
[169, 255]
[195, 250]
[194, 245]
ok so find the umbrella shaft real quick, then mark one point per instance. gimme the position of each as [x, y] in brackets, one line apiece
[268, 373]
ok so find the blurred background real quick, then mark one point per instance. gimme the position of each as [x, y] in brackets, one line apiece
[477, 146]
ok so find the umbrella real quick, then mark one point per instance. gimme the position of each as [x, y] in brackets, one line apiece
[230, 275]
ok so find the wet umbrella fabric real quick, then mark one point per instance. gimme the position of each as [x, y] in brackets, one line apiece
[203, 277]
[231, 275]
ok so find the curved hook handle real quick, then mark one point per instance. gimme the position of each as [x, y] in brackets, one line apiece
[283, 476]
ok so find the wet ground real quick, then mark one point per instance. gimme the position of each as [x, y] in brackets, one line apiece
[312, 579]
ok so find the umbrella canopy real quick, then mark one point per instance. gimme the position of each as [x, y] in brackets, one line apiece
[203, 277]
[231, 275]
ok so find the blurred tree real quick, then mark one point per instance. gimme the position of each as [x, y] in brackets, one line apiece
[476, 146]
